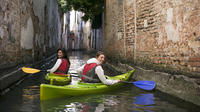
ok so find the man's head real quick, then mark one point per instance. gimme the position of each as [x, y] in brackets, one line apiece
[100, 56]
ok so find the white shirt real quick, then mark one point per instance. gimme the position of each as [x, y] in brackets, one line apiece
[99, 71]
[56, 66]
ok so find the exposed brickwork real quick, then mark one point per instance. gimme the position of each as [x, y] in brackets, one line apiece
[168, 32]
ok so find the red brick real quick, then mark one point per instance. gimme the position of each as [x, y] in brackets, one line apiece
[194, 64]
[194, 59]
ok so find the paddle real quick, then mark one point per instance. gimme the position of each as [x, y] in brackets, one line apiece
[33, 70]
[143, 84]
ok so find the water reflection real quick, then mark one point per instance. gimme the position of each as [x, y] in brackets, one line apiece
[78, 107]
[144, 99]
[30, 98]
[144, 102]
[73, 104]
[95, 103]
[100, 103]
[129, 99]
[77, 59]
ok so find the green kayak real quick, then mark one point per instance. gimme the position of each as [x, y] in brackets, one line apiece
[54, 79]
[48, 91]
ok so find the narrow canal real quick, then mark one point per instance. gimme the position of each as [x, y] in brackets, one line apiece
[25, 97]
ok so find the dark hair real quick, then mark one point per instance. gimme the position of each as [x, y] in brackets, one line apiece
[64, 55]
[99, 53]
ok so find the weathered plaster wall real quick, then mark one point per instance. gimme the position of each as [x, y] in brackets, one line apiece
[113, 28]
[53, 24]
[167, 32]
[86, 35]
[28, 30]
[9, 31]
[27, 43]
[66, 30]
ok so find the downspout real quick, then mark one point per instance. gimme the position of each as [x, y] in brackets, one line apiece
[135, 16]
[124, 31]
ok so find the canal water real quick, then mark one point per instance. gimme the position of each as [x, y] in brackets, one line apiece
[25, 97]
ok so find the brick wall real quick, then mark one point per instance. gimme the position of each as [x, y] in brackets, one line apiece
[168, 32]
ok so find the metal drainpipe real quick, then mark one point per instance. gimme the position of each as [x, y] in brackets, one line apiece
[124, 31]
[135, 16]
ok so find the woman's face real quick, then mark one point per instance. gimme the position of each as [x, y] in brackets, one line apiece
[60, 54]
[101, 58]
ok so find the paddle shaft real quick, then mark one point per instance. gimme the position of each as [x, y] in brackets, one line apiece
[127, 82]
[33, 70]
[146, 85]
[43, 70]
[136, 82]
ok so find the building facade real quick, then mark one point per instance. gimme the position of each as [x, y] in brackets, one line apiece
[154, 33]
[29, 30]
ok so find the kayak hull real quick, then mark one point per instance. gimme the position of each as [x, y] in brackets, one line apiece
[54, 79]
[48, 91]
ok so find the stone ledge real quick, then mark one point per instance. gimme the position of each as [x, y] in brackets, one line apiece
[179, 86]
[9, 79]
[14, 77]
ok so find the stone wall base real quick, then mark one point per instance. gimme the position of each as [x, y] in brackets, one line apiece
[179, 86]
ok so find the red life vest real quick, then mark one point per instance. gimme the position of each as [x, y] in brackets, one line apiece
[62, 68]
[86, 68]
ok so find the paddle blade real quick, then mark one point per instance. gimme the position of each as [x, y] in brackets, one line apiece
[30, 70]
[144, 84]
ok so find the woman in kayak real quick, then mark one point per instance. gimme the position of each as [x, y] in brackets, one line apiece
[62, 64]
[92, 71]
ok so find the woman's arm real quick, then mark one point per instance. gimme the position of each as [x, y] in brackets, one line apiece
[55, 67]
[100, 72]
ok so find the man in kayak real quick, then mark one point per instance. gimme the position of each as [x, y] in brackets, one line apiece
[92, 71]
[62, 64]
